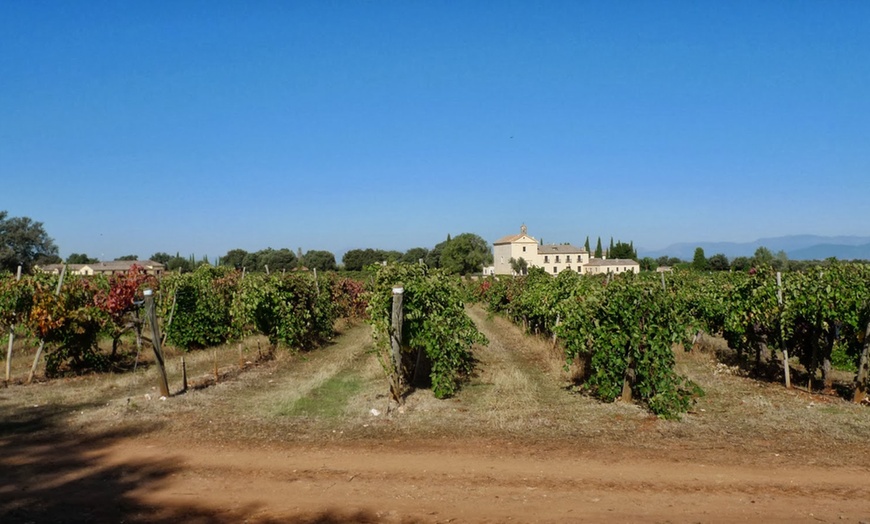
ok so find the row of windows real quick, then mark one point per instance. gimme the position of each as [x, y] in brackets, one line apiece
[567, 259]
[568, 268]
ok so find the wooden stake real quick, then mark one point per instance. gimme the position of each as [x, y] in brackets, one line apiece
[11, 338]
[558, 321]
[216, 376]
[183, 375]
[397, 319]
[863, 368]
[155, 343]
[628, 380]
[785, 366]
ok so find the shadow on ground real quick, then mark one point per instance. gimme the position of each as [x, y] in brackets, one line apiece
[52, 475]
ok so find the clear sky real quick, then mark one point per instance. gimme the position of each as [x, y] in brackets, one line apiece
[202, 126]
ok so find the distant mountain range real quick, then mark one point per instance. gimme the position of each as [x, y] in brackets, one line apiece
[797, 247]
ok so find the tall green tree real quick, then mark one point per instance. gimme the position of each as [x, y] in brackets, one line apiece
[320, 260]
[780, 261]
[719, 262]
[277, 259]
[598, 252]
[586, 245]
[741, 263]
[762, 257]
[665, 260]
[234, 258]
[519, 266]
[161, 257]
[357, 259]
[433, 259]
[466, 254]
[622, 250]
[180, 264]
[699, 261]
[414, 255]
[648, 264]
[80, 258]
[24, 242]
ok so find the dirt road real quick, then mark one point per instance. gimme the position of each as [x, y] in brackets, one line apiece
[135, 480]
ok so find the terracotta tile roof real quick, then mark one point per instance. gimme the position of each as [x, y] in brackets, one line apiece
[612, 262]
[557, 249]
[123, 265]
[513, 238]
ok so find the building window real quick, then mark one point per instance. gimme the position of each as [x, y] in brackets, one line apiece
[546, 259]
[555, 270]
[568, 258]
[524, 249]
[557, 259]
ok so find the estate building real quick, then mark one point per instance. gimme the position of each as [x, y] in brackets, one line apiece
[553, 258]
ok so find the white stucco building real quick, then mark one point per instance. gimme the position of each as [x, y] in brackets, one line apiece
[553, 258]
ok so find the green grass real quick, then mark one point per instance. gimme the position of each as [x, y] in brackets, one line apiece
[327, 400]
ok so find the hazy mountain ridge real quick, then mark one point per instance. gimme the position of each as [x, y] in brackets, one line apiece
[797, 247]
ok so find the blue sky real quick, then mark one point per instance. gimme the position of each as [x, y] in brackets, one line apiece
[199, 127]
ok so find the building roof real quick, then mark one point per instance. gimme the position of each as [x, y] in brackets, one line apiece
[97, 267]
[510, 239]
[612, 262]
[558, 249]
[121, 265]
[522, 237]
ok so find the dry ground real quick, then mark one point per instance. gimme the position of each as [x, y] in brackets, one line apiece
[307, 437]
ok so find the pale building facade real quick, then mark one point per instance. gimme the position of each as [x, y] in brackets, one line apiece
[553, 258]
[615, 265]
[106, 268]
[513, 247]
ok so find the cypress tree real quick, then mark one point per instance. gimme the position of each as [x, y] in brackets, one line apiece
[598, 249]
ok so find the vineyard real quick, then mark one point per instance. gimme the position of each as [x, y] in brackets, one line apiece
[70, 315]
[622, 330]
[618, 334]
[502, 405]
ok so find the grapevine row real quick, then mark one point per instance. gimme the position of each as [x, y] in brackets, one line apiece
[207, 307]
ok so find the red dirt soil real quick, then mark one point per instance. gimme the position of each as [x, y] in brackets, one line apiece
[138, 480]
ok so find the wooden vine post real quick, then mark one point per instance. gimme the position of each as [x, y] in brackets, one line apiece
[396, 343]
[155, 342]
[11, 338]
[863, 368]
[558, 321]
[785, 366]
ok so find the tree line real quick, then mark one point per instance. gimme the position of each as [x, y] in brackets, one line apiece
[25, 242]
[463, 255]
